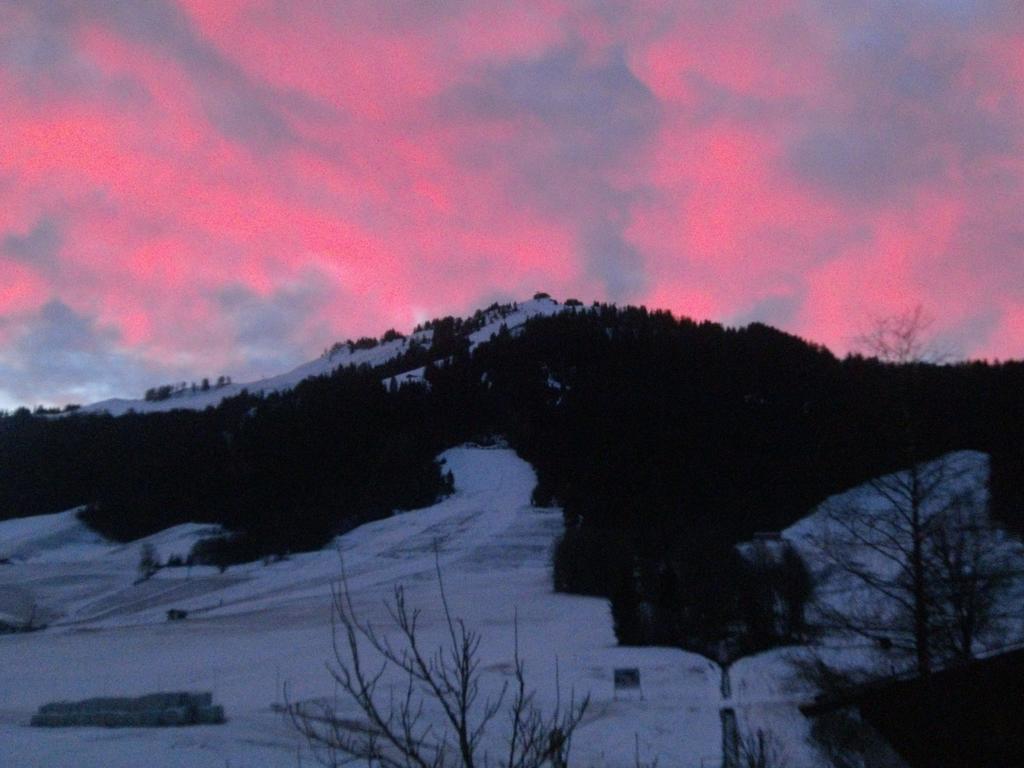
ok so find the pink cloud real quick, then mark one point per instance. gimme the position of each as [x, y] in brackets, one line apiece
[172, 171]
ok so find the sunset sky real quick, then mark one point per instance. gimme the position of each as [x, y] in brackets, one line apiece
[191, 188]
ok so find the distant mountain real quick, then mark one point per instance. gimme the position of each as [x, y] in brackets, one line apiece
[390, 348]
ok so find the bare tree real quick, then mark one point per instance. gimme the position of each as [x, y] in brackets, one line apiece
[924, 574]
[901, 339]
[882, 551]
[973, 572]
[148, 562]
[398, 730]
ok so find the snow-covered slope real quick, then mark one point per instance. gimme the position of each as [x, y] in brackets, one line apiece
[255, 627]
[56, 570]
[963, 472]
[58, 537]
[767, 688]
[378, 355]
[869, 523]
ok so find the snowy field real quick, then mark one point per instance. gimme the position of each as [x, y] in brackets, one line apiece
[257, 627]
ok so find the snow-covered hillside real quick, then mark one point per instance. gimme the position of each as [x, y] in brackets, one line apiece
[378, 355]
[870, 522]
[255, 627]
[768, 685]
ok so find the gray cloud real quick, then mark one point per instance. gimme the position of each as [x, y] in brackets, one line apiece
[613, 261]
[41, 50]
[861, 162]
[58, 355]
[579, 119]
[581, 114]
[778, 310]
[970, 334]
[39, 247]
[903, 107]
[37, 48]
[268, 331]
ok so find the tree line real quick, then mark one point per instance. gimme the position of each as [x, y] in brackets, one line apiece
[167, 391]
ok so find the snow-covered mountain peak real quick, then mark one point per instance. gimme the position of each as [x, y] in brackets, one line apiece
[486, 323]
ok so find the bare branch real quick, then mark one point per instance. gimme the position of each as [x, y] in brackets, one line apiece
[900, 338]
[396, 730]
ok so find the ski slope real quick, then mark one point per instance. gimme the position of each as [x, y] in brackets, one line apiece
[325, 364]
[256, 627]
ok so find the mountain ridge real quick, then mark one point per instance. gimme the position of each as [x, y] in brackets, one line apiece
[512, 316]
